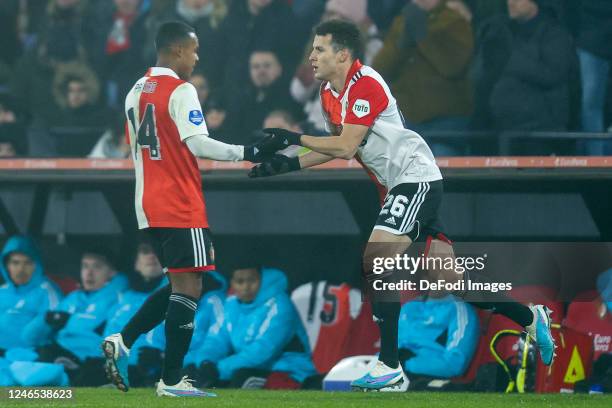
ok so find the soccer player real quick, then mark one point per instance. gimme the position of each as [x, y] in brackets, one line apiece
[365, 122]
[166, 131]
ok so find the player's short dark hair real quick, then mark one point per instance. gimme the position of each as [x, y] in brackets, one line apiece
[252, 266]
[345, 35]
[170, 33]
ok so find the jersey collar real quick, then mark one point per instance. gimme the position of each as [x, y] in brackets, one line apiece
[161, 71]
[352, 71]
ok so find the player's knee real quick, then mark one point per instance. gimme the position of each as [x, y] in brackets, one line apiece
[440, 261]
[187, 284]
[377, 256]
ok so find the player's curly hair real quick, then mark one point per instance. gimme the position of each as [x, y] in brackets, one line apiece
[345, 35]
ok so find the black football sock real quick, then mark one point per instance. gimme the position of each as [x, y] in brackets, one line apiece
[179, 329]
[506, 306]
[387, 318]
[150, 314]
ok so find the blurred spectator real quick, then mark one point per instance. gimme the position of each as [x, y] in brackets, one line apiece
[267, 91]
[213, 108]
[437, 336]
[145, 354]
[80, 120]
[425, 59]
[115, 38]
[304, 88]
[7, 144]
[282, 119]
[460, 7]
[260, 333]
[26, 295]
[285, 120]
[308, 11]
[62, 27]
[595, 54]
[383, 12]
[10, 46]
[77, 324]
[206, 17]
[202, 86]
[604, 287]
[481, 10]
[12, 133]
[525, 65]
[112, 144]
[59, 42]
[356, 12]
[5, 77]
[30, 19]
[76, 90]
[253, 25]
[210, 310]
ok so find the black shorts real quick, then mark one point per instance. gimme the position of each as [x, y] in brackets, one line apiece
[412, 209]
[183, 249]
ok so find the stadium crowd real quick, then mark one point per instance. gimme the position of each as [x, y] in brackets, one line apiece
[457, 68]
[249, 333]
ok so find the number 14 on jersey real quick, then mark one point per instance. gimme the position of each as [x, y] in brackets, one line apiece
[146, 131]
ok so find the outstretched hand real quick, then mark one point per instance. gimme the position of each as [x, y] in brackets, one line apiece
[277, 164]
[277, 139]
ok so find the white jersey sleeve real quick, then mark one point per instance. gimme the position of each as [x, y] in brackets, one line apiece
[184, 108]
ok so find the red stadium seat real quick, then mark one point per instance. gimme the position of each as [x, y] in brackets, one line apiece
[65, 283]
[591, 318]
[338, 324]
[540, 295]
[491, 324]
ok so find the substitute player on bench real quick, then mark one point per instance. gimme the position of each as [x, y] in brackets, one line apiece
[166, 131]
[364, 116]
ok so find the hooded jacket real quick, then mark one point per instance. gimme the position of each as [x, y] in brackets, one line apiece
[604, 286]
[442, 334]
[82, 334]
[23, 307]
[265, 334]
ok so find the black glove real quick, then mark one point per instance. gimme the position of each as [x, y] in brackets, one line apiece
[208, 374]
[254, 154]
[57, 320]
[405, 354]
[278, 139]
[278, 164]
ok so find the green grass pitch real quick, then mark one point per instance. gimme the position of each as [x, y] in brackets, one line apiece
[145, 398]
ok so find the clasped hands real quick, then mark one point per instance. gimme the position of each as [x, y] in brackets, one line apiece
[265, 151]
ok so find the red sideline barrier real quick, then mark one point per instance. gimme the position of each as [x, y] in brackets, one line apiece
[443, 162]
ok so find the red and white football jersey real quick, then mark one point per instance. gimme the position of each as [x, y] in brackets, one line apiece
[390, 153]
[162, 111]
